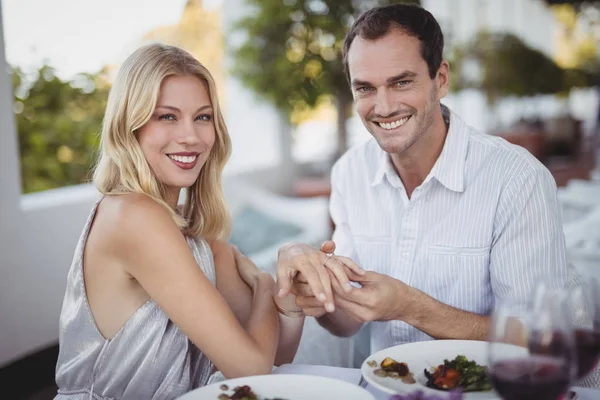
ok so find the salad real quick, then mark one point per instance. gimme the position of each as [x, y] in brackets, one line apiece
[241, 393]
[459, 373]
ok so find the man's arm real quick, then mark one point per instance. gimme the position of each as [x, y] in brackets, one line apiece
[529, 244]
[383, 298]
[441, 321]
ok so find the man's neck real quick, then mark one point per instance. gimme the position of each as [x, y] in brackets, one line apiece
[413, 165]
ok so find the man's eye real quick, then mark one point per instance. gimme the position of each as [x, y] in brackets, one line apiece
[167, 117]
[364, 89]
[403, 83]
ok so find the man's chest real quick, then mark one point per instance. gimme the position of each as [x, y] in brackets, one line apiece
[438, 241]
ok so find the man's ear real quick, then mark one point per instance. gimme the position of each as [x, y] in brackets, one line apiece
[443, 79]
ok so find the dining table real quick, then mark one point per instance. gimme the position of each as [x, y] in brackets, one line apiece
[353, 375]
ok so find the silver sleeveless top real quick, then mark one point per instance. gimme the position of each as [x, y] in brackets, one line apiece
[149, 358]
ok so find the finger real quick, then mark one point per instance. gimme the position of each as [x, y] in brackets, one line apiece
[328, 246]
[308, 302]
[315, 312]
[239, 256]
[338, 270]
[326, 283]
[338, 289]
[354, 310]
[314, 279]
[359, 296]
[300, 278]
[353, 276]
[351, 265]
[285, 275]
[301, 289]
[368, 276]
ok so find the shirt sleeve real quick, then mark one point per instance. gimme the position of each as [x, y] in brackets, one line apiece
[528, 244]
[342, 235]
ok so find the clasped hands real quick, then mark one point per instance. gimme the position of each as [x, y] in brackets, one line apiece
[321, 283]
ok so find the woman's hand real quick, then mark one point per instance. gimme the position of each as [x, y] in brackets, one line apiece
[298, 261]
[248, 271]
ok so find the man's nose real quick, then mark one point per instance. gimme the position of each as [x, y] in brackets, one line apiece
[384, 104]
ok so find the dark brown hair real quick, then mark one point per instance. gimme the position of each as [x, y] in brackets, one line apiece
[412, 19]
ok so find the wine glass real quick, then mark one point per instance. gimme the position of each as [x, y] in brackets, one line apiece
[586, 323]
[532, 352]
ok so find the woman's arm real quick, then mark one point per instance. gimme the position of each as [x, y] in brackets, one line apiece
[291, 324]
[153, 251]
[238, 294]
[229, 283]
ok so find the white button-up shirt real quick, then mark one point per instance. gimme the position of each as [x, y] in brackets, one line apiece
[483, 227]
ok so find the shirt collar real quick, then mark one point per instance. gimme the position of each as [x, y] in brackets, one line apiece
[449, 169]
[384, 167]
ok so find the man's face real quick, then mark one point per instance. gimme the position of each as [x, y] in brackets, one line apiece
[394, 94]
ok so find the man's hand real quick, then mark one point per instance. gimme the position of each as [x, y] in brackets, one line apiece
[381, 298]
[314, 267]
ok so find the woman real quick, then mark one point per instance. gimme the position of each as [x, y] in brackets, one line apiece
[149, 308]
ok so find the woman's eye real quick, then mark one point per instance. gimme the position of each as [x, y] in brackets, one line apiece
[167, 117]
[204, 117]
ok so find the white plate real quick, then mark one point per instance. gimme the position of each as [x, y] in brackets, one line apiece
[424, 355]
[290, 387]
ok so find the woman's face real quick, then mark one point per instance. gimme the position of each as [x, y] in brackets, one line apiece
[179, 136]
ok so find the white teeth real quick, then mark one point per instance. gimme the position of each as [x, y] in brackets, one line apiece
[393, 125]
[183, 159]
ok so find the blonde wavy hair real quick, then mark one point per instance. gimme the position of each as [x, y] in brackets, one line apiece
[122, 167]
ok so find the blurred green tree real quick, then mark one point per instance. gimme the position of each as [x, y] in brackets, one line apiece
[507, 66]
[58, 124]
[290, 53]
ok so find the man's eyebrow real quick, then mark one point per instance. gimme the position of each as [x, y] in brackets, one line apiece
[356, 82]
[400, 77]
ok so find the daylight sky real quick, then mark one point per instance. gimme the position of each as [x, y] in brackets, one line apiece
[81, 35]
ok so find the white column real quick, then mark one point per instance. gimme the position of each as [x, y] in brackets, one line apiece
[10, 177]
[10, 212]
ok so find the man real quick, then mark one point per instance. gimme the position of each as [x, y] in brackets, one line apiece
[446, 221]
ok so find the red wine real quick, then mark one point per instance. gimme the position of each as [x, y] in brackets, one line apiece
[588, 351]
[538, 377]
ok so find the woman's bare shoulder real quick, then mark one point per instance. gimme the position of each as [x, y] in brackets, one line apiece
[131, 217]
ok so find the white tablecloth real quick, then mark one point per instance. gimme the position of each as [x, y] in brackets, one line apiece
[352, 375]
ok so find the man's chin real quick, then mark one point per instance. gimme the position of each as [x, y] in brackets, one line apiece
[392, 146]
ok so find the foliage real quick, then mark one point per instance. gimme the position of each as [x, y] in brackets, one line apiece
[509, 67]
[291, 53]
[578, 38]
[58, 124]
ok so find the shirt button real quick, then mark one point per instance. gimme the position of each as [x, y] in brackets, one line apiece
[405, 254]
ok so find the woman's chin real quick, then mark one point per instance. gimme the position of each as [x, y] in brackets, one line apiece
[180, 183]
